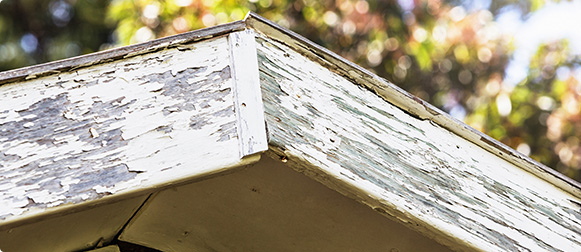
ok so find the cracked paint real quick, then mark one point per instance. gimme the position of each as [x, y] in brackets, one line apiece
[410, 168]
[103, 129]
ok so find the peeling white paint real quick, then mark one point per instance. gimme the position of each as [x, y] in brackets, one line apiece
[248, 99]
[114, 128]
[420, 173]
[166, 114]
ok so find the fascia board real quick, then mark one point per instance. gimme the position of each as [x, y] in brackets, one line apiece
[127, 122]
[70, 64]
[367, 139]
[413, 105]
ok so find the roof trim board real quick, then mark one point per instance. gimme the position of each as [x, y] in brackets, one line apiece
[121, 128]
[382, 87]
[413, 105]
[70, 64]
[409, 169]
[247, 95]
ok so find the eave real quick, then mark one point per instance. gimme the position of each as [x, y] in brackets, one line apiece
[325, 117]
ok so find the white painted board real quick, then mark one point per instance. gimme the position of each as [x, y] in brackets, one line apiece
[409, 168]
[119, 127]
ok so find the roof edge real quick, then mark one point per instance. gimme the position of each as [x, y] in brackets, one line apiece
[68, 64]
[409, 103]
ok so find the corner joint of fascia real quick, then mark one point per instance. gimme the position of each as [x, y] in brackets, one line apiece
[248, 15]
[252, 135]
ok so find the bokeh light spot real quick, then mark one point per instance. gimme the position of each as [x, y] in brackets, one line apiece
[183, 3]
[362, 6]
[29, 43]
[457, 13]
[151, 11]
[524, 149]
[143, 34]
[484, 54]
[503, 104]
[209, 20]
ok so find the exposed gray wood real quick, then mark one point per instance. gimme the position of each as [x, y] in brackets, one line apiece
[406, 167]
[116, 128]
[248, 99]
[407, 102]
[266, 207]
[85, 229]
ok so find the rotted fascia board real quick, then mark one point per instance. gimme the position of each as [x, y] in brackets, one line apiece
[93, 129]
[408, 102]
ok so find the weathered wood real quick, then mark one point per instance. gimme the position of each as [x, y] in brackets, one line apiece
[407, 167]
[248, 99]
[139, 122]
[71, 64]
[103, 128]
[408, 102]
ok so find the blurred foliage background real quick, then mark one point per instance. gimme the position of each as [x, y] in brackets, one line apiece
[449, 53]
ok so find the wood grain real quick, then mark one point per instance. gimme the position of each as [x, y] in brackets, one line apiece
[406, 167]
[112, 128]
